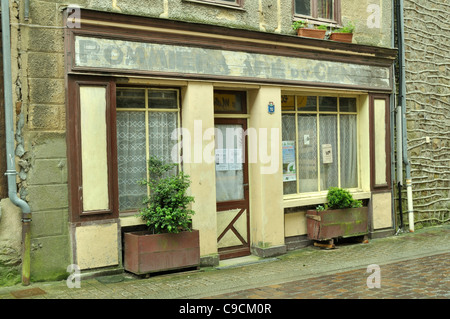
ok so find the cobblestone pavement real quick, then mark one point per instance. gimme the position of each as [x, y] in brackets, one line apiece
[412, 265]
[421, 278]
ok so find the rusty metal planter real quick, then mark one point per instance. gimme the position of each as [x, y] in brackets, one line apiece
[146, 253]
[337, 223]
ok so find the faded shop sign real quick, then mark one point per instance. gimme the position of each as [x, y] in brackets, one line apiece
[112, 54]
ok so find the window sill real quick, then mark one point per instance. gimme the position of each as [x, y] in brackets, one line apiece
[318, 21]
[130, 220]
[317, 198]
[217, 4]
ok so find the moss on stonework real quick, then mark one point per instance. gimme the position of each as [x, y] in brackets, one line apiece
[9, 276]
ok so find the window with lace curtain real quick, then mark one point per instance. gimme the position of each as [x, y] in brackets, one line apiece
[319, 136]
[146, 118]
[320, 10]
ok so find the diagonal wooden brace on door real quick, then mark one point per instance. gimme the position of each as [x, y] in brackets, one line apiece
[233, 229]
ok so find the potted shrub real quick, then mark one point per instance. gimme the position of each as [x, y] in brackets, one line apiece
[344, 34]
[341, 217]
[170, 242]
[303, 30]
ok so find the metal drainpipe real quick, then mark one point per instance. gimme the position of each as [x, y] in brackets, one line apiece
[402, 93]
[10, 157]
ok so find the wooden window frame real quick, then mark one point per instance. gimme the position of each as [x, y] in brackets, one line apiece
[317, 113]
[74, 156]
[148, 110]
[314, 19]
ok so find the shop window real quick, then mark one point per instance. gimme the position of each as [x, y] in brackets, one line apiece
[320, 10]
[146, 118]
[319, 147]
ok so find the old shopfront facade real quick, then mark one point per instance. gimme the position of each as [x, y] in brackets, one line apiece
[140, 87]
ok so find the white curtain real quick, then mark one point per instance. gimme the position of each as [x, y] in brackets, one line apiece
[131, 151]
[131, 158]
[307, 153]
[328, 136]
[349, 162]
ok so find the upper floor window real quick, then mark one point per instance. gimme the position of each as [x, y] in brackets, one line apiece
[320, 10]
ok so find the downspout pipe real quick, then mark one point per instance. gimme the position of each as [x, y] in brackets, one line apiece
[402, 99]
[9, 135]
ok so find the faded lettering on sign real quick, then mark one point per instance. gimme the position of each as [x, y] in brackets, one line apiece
[112, 54]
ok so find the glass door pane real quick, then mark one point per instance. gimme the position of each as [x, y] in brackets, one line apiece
[229, 162]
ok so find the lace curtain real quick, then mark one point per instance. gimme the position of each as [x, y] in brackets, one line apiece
[131, 151]
[349, 160]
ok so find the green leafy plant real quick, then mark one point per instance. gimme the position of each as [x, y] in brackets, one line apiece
[166, 209]
[349, 27]
[299, 24]
[339, 198]
[322, 27]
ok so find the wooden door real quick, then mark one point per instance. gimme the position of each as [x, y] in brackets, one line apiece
[232, 189]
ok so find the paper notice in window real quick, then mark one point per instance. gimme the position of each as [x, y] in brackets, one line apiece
[327, 154]
[289, 173]
[229, 159]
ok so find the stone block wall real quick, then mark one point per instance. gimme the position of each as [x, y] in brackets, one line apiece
[39, 96]
[427, 46]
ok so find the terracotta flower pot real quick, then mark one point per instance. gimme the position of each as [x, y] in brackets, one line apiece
[342, 37]
[311, 33]
[147, 253]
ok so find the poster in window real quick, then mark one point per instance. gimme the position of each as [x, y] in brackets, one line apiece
[289, 171]
[327, 154]
[229, 159]
[221, 160]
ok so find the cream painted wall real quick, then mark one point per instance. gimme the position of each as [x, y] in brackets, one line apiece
[381, 205]
[295, 223]
[266, 190]
[97, 246]
[197, 117]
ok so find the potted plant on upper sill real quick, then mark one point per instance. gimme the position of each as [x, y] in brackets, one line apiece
[344, 34]
[303, 30]
[170, 242]
[342, 217]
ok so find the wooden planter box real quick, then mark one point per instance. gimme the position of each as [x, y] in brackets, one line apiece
[342, 37]
[337, 223]
[146, 253]
[311, 33]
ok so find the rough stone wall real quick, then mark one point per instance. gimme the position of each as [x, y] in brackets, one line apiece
[427, 46]
[39, 98]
